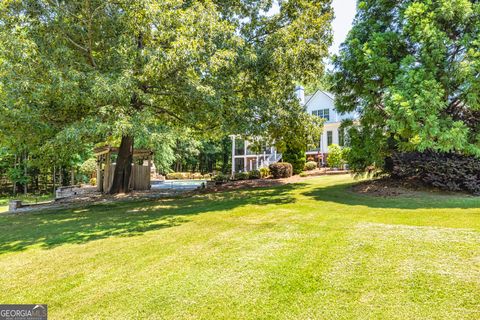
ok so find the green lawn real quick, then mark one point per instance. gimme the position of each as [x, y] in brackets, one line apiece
[306, 251]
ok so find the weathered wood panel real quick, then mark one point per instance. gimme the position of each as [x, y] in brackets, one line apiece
[139, 178]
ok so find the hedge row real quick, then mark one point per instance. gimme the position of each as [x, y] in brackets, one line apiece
[252, 175]
[446, 171]
[186, 176]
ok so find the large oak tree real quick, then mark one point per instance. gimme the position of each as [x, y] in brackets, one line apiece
[104, 65]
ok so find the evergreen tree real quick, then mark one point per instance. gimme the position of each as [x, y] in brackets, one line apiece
[412, 71]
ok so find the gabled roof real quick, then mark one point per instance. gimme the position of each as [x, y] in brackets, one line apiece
[309, 98]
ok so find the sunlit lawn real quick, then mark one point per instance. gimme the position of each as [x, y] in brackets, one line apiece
[307, 251]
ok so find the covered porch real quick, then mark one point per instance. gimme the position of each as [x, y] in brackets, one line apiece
[244, 159]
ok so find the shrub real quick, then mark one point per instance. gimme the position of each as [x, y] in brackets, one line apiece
[174, 176]
[335, 159]
[310, 165]
[254, 174]
[281, 170]
[346, 153]
[264, 172]
[220, 178]
[89, 167]
[242, 176]
[446, 171]
[207, 176]
[303, 174]
[296, 157]
[197, 176]
[179, 175]
[93, 181]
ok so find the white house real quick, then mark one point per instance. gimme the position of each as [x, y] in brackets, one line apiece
[320, 104]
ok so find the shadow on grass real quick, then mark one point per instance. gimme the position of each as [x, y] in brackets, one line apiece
[343, 194]
[49, 229]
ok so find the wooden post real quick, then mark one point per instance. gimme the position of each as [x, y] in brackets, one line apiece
[14, 182]
[150, 172]
[106, 173]
[99, 174]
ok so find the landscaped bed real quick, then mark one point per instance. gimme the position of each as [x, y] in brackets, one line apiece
[388, 187]
[309, 250]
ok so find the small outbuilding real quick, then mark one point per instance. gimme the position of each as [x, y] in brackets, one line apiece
[141, 168]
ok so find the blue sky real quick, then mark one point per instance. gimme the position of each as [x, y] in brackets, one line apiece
[344, 15]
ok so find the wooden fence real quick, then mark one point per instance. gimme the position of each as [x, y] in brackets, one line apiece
[139, 179]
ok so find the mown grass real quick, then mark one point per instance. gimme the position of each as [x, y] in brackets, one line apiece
[312, 250]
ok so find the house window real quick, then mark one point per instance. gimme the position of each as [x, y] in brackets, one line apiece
[239, 165]
[322, 113]
[341, 137]
[329, 138]
[239, 147]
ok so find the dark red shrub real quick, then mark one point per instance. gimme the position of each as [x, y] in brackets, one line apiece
[281, 170]
[446, 171]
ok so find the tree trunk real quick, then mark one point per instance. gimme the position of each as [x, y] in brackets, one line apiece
[54, 178]
[123, 167]
[14, 182]
[25, 173]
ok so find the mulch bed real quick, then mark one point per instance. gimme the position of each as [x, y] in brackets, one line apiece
[244, 184]
[388, 187]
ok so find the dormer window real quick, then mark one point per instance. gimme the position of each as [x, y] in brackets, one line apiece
[322, 113]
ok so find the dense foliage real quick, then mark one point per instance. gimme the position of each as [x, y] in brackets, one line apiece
[281, 170]
[310, 165]
[264, 172]
[296, 157]
[335, 156]
[242, 176]
[254, 174]
[412, 71]
[197, 155]
[74, 73]
[443, 170]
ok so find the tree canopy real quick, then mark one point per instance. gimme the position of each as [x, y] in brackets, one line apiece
[93, 70]
[412, 71]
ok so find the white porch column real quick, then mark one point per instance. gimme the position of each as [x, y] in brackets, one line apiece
[322, 144]
[245, 146]
[233, 154]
